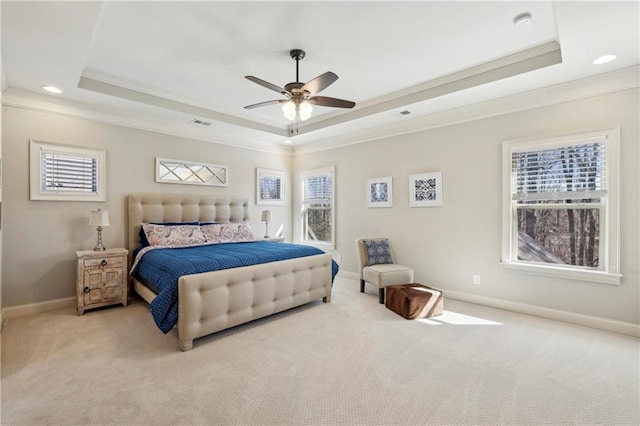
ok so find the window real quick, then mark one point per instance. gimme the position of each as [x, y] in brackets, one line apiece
[561, 207]
[66, 173]
[317, 213]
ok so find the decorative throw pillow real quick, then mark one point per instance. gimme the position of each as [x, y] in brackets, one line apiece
[143, 237]
[173, 235]
[228, 232]
[378, 252]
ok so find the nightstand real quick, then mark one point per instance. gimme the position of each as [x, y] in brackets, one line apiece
[102, 278]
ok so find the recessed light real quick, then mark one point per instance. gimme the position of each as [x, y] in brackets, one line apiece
[52, 89]
[605, 58]
[522, 19]
[287, 141]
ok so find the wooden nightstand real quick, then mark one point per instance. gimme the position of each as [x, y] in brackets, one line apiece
[102, 278]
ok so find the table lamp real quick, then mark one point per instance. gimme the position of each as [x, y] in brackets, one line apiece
[99, 218]
[266, 218]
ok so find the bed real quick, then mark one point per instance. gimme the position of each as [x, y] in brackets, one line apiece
[209, 302]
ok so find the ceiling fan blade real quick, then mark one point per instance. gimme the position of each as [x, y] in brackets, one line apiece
[261, 104]
[267, 85]
[330, 102]
[320, 83]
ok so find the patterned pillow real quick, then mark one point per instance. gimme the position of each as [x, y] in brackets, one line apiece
[378, 252]
[173, 235]
[228, 232]
[143, 237]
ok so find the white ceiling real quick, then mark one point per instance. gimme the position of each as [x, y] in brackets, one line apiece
[166, 63]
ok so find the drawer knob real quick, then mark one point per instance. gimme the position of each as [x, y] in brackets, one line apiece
[103, 263]
[86, 290]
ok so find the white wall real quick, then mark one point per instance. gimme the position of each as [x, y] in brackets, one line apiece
[41, 237]
[447, 245]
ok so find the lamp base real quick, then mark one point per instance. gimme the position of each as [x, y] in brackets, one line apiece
[99, 246]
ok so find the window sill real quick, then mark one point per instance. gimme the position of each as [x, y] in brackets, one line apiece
[567, 273]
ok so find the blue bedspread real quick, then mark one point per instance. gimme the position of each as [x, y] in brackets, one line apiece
[163, 266]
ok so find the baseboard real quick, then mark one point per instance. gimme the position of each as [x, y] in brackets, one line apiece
[605, 324]
[349, 275]
[35, 308]
[621, 327]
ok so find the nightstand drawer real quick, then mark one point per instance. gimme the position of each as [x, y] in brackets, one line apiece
[103, 262]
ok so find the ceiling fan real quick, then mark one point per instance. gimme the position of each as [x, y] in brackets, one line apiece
[301, 96]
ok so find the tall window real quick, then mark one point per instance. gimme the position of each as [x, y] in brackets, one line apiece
[561, 211]
[63, 172]
[317, 213]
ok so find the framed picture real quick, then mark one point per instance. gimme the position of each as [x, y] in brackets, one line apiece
[190, 172]
[269, 187]
[425, 190]
[379, 192]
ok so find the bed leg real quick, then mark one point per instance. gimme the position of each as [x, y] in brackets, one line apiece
[327, 299]
[186, 345]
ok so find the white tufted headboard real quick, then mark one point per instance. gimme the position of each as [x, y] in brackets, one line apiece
[162, 207]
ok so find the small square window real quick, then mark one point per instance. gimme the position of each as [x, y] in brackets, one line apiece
[66, 173]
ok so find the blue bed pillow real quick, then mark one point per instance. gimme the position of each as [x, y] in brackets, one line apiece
[378, 252]
[143, 237]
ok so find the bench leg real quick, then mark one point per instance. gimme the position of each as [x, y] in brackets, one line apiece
[361, 286]
[381, 295]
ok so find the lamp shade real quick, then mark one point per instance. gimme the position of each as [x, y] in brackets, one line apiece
[305, 110]
[99, 218]
[289, 110]
[266, 216]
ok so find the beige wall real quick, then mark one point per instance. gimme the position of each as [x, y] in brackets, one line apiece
[447, 245]
[41, 237]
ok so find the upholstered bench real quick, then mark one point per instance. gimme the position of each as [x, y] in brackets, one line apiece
[414, 300]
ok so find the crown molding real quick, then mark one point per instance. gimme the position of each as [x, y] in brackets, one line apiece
[601, 84]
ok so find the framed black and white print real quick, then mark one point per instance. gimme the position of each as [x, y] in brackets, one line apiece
[269, 187]
[425, 190]
[379, 192]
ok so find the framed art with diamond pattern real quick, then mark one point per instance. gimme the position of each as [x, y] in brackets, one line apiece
[379, 192]
[191, 172]
[425, 190]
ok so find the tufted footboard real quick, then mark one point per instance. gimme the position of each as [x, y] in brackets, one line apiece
[214, 301]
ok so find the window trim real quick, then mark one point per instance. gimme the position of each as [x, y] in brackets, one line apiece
[314, 172]
[609, 273]
[35, 172]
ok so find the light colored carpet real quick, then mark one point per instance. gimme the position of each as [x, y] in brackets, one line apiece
[349, 362]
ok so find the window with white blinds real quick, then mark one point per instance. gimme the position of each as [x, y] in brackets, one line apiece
[567, 172]
[317, 212]
[561, 209]
[66, 173]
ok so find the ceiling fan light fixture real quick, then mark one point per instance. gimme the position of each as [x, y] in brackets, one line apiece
[305, 109]
[289, 110]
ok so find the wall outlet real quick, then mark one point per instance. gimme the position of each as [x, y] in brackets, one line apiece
[338, 258]
[476, 279]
